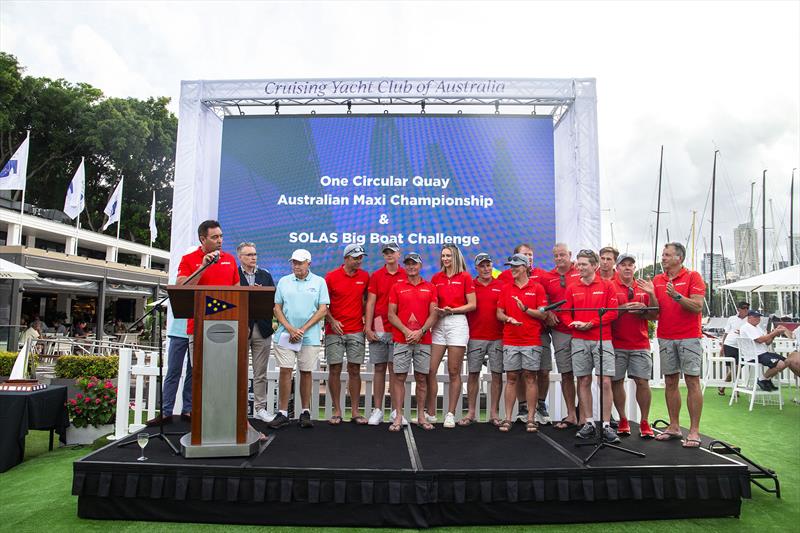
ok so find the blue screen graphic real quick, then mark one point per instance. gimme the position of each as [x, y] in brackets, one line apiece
[322, 182]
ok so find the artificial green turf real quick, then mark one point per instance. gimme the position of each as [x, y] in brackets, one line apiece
[35, 495]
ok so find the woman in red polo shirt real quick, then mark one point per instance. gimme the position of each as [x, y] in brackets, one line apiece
[456, 293]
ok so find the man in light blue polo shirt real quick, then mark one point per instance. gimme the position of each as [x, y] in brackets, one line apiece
[301, 302]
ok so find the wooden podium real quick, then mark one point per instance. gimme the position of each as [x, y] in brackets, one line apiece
[219, 365]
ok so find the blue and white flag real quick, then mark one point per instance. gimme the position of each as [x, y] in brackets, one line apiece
[75, 203]
[13, 174]
[153, 229]
[114, 206]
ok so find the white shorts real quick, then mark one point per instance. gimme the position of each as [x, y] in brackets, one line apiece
[451, 330]
[307, 358]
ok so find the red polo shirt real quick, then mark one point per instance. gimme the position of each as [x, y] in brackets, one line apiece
[413, 304]
[530, 332]
[223, 272]
[483, 323]
[347, 299]
[380, 284]
[674, 322]
[556, 293]
[629, 330]
[598, 293]
[452, 290]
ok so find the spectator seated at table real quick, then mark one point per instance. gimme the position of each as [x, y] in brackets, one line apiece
[774, 362]
[79, 329]
[33, 332]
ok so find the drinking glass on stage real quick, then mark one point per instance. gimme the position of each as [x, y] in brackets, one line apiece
[142, 439]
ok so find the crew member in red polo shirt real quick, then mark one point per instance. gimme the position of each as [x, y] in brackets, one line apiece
[589, 350]
[223, 271]
[543, 376]
[632, 343]
[344, 330]
[563, 275]
[521, 308]
[680, 294]
[412, 312]
[378, 329]
[456, 295]
[485, 340]
[608, 260]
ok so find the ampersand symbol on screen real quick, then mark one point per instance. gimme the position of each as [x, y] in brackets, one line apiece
[383, 219]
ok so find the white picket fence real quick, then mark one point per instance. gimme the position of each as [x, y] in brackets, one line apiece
[138, 371]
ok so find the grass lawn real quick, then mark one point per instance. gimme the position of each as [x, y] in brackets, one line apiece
[35, 495]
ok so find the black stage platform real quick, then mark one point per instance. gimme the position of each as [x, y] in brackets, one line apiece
[350, 475]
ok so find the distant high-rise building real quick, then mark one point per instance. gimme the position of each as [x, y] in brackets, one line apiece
[796, 243]
[745, 239]
[721, 271]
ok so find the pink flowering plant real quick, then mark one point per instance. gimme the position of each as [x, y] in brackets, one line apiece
[95, 405]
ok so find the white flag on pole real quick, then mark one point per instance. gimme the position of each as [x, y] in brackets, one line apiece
[75, 203]
[153, 229]
[13, 174]
[114, 206]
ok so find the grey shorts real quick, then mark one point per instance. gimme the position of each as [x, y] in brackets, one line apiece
[637, 364]
[404, 353]
[681, 356]
[562, 349]
[586, 356]
[547, 357]
[381, 350]
[337, 345]
[522, 358]
[479, 350]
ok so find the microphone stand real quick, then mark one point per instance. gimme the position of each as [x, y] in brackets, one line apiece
[599, 442]
[158, 308]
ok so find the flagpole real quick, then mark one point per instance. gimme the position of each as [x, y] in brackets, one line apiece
[78, 218]
[119, 222]
[24, 186]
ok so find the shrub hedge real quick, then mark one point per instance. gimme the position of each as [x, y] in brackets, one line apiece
[75, 366]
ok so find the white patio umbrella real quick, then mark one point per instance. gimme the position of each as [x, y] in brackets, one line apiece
[9, 270]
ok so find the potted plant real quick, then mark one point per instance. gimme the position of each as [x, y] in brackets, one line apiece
[91, 411]
[6, 364]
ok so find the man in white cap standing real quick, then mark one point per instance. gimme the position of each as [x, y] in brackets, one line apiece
[301, 302]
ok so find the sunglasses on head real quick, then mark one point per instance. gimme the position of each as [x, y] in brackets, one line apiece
[562, 280]
[630, 293]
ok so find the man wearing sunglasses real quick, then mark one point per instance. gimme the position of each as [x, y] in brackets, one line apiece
[344, 330]
[632, 343]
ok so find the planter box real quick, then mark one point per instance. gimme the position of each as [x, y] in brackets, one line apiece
[87, 435]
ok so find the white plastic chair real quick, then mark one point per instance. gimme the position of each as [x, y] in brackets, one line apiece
[749, 373]
[716, 366]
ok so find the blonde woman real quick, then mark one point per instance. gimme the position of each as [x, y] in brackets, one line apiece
[456, 298]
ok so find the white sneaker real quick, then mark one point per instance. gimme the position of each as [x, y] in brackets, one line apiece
[431, 419]
[449, 420]
[393, 415]
[263, 414]
[376, 417]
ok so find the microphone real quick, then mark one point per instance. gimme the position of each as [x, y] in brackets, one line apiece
[553, 305]
[216, 258]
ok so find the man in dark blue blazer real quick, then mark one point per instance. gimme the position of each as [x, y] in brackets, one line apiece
[260, 330]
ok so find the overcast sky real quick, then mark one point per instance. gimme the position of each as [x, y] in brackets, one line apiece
[692, 76]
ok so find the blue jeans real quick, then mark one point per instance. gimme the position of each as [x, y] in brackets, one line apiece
[178, 349]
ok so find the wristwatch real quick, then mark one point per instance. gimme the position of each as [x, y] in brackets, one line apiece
[526, 309]
[541, 309]
[677, 297]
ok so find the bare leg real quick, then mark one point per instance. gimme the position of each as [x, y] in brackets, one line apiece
[673, 397]
[607, 399]
[284, 388]
[398, 386]
[793, 362]
[543, 381]
[437, 352]
[643, 396]
[335, 387]
[618, 390]
[585, 396]
[422, 384]
[379, 385]
[455, 359]
[531, 392]
[305, 389]
[354, 388]
[497, 390]
[568, 388]
[772, 372]
[472, 393]
[511, 391]
[694, 401]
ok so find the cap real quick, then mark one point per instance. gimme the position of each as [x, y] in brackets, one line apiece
[518, 260]
[754, 313]
[354, 250]
[623, 257]
[742, 305]
[390, 246]
[413, 256]
[300, 255]
[481, 257]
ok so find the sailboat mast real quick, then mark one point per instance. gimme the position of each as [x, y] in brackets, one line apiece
[713, 197]
[724, 275]
[658, 211]
[694, 250]
[764, 222]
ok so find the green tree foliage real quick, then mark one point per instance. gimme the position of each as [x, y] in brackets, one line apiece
[119, 137]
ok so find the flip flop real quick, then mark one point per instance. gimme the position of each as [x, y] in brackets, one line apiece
[466, 421]
[666, 435]
[531, 427]
[691, 443]
[505, 426]
[335, 420]
[496, 422]
[565, 424]
[359, 420]
[394, 427]
[721, 392]
[427, 426]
